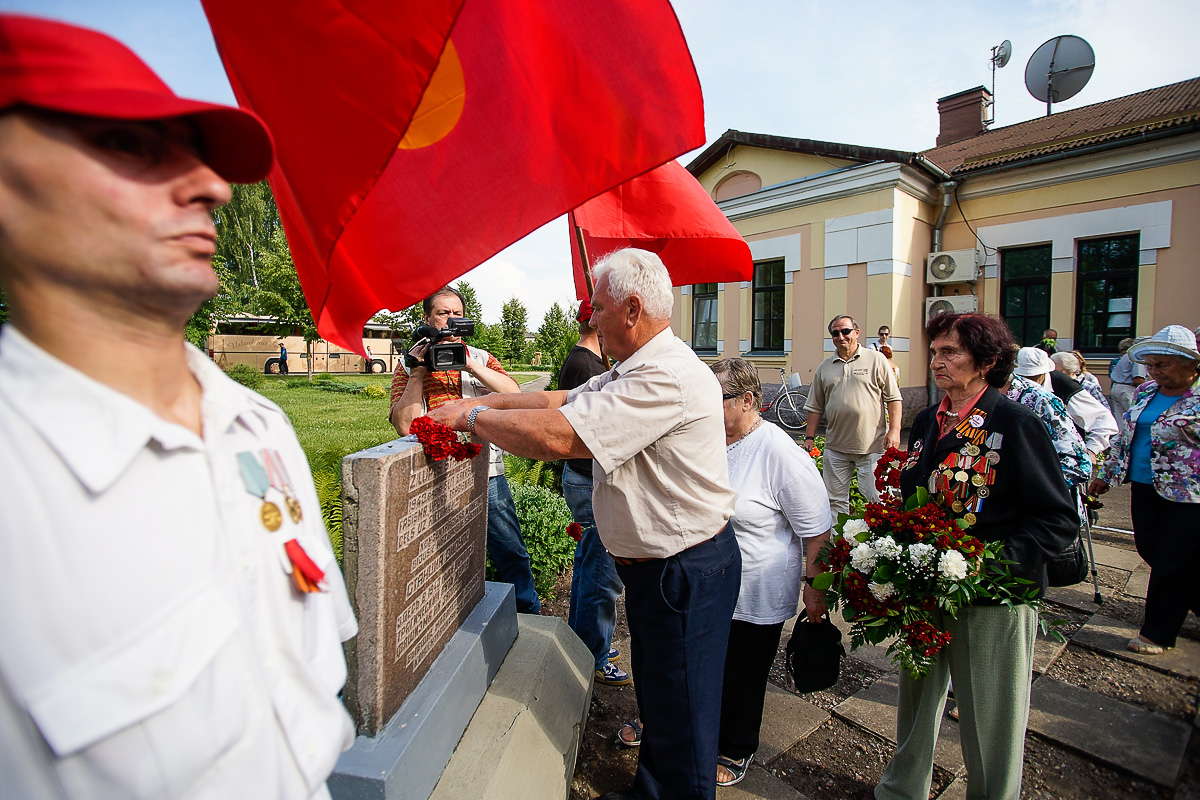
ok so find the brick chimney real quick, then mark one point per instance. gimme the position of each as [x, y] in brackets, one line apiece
[962, 115]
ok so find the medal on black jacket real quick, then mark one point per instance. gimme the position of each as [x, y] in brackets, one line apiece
[962, 464]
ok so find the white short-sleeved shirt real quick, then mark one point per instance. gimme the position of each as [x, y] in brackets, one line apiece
[781, 501]
[149, 628]
[655, 427]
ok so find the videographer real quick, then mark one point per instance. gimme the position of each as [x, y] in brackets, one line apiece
[482, 374]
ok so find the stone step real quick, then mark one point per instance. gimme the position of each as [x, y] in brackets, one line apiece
[1046, 650]
[874, 710]
[1138, 582]
[759, 784]
[1112, 636]
[787, 718]
[1146, 743]
[1080, 597]
[1117, 557]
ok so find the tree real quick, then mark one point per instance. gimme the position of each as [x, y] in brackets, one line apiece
[557, 335]
[513, 321]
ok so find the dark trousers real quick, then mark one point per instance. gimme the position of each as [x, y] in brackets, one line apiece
[1167, 537]
[679, 609]
[748, 661]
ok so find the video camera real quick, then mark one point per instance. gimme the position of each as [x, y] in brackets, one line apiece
[442, 356]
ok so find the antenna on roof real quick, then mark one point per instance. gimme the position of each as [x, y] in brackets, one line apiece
[1001, 53]
[1059, 69]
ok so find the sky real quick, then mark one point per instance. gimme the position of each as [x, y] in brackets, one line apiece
[865, 73]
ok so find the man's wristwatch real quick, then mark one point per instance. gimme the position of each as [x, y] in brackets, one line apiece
[471, 418]
[806, 438]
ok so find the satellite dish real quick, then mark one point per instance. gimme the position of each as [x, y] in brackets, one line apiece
[1059, 69]
[1001, 53]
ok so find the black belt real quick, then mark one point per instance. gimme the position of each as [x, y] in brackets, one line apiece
[629, 562]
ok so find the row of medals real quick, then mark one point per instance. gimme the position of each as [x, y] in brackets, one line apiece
[272, 518]
[954, 470]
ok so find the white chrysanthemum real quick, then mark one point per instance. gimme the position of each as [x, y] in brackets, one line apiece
[882, 591]
[953, 565]
[920, 555]
[862, 558]
[853, 527]
[886, 547]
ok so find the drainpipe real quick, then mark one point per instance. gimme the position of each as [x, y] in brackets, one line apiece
[947, 188]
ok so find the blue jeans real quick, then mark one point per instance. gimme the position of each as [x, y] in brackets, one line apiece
[507, 548]
[595, 586]
[679, 610]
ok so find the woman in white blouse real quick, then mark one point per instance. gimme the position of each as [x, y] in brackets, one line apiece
[781, 521]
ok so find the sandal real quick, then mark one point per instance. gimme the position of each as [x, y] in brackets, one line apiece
[736, 768]
[634, 726]
[1139, 645]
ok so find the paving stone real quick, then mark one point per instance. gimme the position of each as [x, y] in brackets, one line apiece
[1046, 650]
[957, 790]
[1117, 557]
[1138, 581]
[874, 708]
[1080, 597]
[1112, 636]
[787, 718]
[759, 785]
[1146, 743]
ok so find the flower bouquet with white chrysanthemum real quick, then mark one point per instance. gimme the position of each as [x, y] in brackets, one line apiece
[892, 569]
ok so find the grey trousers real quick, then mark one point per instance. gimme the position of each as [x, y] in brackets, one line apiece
[990, 658]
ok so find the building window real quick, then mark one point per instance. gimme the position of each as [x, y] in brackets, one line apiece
[704, 316]
[1025, 292]
[768, 306]
[1106, 300]
[736, 185]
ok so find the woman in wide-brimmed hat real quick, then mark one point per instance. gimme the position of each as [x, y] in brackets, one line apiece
[1159, 453]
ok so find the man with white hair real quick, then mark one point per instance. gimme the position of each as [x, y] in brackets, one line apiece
[1095, 422]
[652, 426]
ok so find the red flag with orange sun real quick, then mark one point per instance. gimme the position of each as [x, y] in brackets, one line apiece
[417, 139]
[665, 211]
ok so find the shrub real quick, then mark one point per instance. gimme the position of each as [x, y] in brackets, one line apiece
[375, 391]
[328, 483]
[547, 474]
[247, 376]
[544, 518]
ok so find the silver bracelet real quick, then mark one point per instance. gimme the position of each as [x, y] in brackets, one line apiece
[471, 418]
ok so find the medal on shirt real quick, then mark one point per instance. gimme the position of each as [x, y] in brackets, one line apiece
[277, 474]
[257, 483]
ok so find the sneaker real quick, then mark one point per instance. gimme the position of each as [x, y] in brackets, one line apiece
[614, 654]
[612, 675]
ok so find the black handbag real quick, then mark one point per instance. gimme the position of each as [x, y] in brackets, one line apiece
[814, 654]
[1070, 566]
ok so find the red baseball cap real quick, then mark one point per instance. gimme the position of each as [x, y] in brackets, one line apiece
[60, 67]
[585, 311]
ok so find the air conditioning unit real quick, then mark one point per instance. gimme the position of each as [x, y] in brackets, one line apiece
[954, 304]
[952, 266]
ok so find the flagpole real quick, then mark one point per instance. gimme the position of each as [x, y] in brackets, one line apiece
[587, 275]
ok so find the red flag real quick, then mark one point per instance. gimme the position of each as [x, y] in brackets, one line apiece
[532, 108]
[665, 211]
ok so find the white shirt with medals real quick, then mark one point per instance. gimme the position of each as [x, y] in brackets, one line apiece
[152, 632]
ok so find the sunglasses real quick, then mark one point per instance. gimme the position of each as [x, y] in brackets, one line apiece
[731, 395]
[841, 332]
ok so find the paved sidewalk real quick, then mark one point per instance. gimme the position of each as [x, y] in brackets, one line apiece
[1134, 742]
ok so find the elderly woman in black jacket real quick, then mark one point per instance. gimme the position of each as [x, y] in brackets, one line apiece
[990, 462]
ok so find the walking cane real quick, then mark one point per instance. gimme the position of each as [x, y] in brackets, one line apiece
[1087, 527]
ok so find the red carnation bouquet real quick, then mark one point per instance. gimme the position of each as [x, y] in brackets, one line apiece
[887, 474]
[440, 442]
[892, 570]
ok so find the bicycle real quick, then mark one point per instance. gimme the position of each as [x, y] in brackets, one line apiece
[788, 405]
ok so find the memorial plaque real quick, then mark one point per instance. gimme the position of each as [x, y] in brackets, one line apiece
[413, 545]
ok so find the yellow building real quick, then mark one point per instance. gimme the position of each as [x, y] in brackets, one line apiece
[1085, 221]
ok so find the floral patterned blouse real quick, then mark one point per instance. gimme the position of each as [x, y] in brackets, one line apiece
[1174, 444]
[1072, 453]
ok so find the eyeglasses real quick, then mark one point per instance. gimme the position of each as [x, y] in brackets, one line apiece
[731, 395]
[841, 332]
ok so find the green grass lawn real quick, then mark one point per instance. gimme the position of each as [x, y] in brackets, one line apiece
[331, 425]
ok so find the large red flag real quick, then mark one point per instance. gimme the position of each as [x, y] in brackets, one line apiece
[665, 211]
[395, 177]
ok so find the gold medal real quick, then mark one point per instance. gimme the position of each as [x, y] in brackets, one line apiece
[977, 480]
[270, 516]
[957, 506]
[972, 450]
[293, 507]
[960, 476]
[969, 518]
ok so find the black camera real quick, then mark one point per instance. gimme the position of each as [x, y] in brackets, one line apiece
[442, 356]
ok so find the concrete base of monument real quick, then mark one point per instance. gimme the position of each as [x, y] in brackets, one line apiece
[524, 738]
[406, 759]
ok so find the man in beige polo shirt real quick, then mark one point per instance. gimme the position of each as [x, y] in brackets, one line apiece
[849, 391]
[654, 427]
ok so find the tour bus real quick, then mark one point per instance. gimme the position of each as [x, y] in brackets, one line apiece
[245, 339]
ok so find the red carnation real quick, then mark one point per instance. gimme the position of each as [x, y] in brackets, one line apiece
[575, 531]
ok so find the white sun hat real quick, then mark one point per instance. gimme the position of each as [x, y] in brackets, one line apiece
[1173, 340]
[1031, 361]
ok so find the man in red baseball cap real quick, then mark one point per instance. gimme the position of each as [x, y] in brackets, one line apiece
[170, 607]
